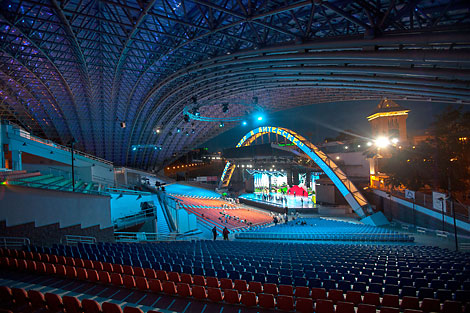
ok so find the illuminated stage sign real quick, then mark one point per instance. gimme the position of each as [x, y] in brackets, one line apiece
[352, 195]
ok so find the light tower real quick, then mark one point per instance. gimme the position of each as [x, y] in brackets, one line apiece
[389, 120]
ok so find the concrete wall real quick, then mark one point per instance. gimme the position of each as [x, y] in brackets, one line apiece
[353, 164]
[20, 205]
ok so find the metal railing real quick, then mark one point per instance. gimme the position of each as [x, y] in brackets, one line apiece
[149, 237]
[67, 187]
[14, 242]
[74, 239]
[135, 219]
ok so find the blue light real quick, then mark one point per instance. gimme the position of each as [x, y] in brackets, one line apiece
[134, 148]
[244, 123]
[259, 118]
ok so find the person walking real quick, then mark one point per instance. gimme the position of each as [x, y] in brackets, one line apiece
[214, 232]
[225, 233]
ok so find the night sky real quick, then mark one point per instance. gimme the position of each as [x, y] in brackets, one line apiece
[315, 122]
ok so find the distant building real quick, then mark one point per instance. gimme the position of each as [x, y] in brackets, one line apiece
[389, 120]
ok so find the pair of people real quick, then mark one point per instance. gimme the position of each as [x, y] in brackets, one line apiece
[225, 233]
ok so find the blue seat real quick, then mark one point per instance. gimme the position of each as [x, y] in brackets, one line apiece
[166, 267]
[329, 284]
[453, 285]
[187, 269]
[198, 271]
[222, 274]
[344, 285]
[360, 286]
[391, 289]
[375, 287]
[285, 280]
[177, 268]
[421, 282]
[444, 294]
[273, 279]
[247, 276]
[260, 277]
[209, 272]
[425, 292]
[234, 275]
[300, 281]
[314, 283]
[391, 280]
[437, 284]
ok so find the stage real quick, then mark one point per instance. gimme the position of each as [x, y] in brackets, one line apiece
[278, 202]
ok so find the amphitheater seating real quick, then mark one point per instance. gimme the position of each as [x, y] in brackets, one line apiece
[324, 229]
[392, 260]
[219, 213]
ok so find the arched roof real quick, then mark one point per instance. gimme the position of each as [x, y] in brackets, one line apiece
[77, 69]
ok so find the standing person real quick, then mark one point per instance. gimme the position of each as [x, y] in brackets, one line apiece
[214, 232]
[225, 233]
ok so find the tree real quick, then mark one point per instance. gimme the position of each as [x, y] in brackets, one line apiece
[443, 159]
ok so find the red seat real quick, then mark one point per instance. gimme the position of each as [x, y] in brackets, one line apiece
[109, 307]
[412, 311]
[139, 271]
[199, 292]
[386, 309]
[20, 299]
[22, 265]
[88, 264]
[199, 280]
[41, 267]
[82, 274]
[31, 265]
[6, 296]
[90, 306]
[54, 302]
[155, 285]
[303, 292]
[430, 305]
[186, 278]
[117, 268]
[69, 261]
[78, 262]
[344, 307]
[97, 265]
[130, 309]
[116, 279]
[248, 298]
[141, 283]
[324, 306]
[410, 303]
[318, 293]
[286, 290]
[70, 272]
[183, 290]
[212, 282]
[60, 270]
[266, 300]
[304, 305]
[72, 304]
[354, 297]
[255, 286]
[104, 277]
[241, 285]
[366, 308]
[270, 288]
[108, 267]
[231, 296]
[162, 275]
[36, 298]
[169, 287]
[129, 281]
[371, 298]
[214, 294]
[174, 277]
[150, 273]
[44, 258]
[335, 295]
[128, 270]
[285, 303]
[391, 301]
[92, 275]
[61, 260]
[226, 283]
[451, 306]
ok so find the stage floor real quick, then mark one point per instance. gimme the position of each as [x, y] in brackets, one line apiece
[292, 201]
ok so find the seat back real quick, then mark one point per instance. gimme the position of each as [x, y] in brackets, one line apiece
[72, 304]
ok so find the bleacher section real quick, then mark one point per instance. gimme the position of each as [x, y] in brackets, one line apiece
[325, 278]
[36, 180]
[215, 212]
[324, 229]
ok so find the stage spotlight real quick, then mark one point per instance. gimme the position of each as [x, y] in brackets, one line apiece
[157, 130]
[395, 140]
[369, 144]
[244, 123]
[221, 124]
[134, 148]
[259, 118]
[178, 130]
[193, 131]
[187, 133]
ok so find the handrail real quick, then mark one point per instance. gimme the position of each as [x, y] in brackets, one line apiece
[34, 184]
[127, 191]
[148, 237]
[25, 134]
[166, 210]
[10, 242]
[74, 239]
[135, 219]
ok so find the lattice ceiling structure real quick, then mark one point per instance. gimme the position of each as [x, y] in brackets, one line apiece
[77, 69]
